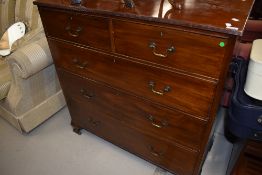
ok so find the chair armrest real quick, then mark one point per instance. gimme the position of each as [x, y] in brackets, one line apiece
[30, 58]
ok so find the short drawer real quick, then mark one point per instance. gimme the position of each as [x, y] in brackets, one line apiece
[176, 159]
[78, 28]
[190, 52]
[189, 94]
[136, 113]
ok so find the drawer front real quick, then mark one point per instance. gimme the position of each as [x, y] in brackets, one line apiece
[172, 157]
[171, 89]
[136, 113]
[78, 28]
[190, 52]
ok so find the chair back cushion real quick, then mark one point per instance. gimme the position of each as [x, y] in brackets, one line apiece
[7, 14]
[28, 13]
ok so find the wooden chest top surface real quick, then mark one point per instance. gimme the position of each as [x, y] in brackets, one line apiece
[225, 16]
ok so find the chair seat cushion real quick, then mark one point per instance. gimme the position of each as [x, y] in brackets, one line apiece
[5, 79]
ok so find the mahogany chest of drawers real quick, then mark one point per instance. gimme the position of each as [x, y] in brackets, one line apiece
[148, 79]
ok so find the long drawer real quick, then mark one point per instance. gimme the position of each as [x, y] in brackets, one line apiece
[190, 94]
[79, 28]
[165, 154]
[191, 52]
[136, 113]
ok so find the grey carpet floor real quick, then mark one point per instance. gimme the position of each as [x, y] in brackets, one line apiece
[53, 149]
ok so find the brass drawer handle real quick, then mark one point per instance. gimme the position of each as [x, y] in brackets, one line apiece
[93, 122]
[155, 153]
[73, 32]
[129, 3]
[152, 87]
[75, 2]
[80, 65]
[168, 50]
[86, 94]
[176, 5]
[155, 124]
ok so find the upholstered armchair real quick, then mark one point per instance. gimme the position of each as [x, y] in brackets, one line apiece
[30, 92]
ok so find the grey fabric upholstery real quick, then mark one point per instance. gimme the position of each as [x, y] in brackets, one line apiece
[30, 59]
[30, 91]
[7, 15]
[5, 79]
